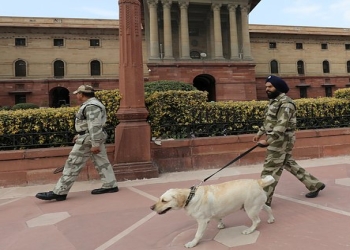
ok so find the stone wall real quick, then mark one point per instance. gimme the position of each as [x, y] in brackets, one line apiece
[35, 166]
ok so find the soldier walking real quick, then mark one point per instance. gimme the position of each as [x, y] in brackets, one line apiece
[279, 127]
[89, 142]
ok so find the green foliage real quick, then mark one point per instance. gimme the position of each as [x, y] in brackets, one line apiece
[172, 108]
[24, 106]
[5, 108]
[174, 114]
[342, 93]
[111, 100]
[166, 85]
[50, 120]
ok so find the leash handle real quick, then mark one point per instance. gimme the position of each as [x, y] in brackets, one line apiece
[235, 159]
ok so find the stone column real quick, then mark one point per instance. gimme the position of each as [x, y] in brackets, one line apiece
[218, 53]
[154, 41]
[168, 40]
[233, 31]
[132, 156]
[185, 38]
[245, 33]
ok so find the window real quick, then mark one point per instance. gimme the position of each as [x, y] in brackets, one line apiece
[193, 31]
[325, 66]
[20, 68]
[94, 42]
[328, 90]
[20, 42]
[347, 46]
[300, 67]
[348, 66]
[299, 46]
[58, 68]
[272, 45]
[22, 98]
[274, 67]
[58, 42]
[324, 46]
[95, 68]
[303, 92]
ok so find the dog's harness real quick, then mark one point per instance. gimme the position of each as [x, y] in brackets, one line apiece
[194, 188]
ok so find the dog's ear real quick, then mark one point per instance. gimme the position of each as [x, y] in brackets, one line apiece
[181, 197]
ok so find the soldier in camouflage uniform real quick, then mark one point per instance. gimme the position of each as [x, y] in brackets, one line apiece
[89, 143]
[279, 127]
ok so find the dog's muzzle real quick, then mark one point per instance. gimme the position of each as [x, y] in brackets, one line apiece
[162, 212]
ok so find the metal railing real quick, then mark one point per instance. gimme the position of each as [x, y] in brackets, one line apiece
[43, 139]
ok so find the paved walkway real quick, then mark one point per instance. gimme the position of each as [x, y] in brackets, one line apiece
[124, 221]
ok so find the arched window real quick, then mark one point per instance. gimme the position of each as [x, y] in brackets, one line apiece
[274, 67]
[58, 68]
[325, 66]
[20, 68]
[300, 67]
[95, 68]
[348, 66]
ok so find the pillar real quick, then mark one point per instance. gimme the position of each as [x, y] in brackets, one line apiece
[133, 134]
[218, 53]
[154, 40]
[233, 32]
[185, 38]
[245, 33]
[168, 40]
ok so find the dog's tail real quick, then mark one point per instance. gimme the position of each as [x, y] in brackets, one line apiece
[267, 180]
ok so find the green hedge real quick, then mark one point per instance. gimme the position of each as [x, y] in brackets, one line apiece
[166, 85]
[48, 120]
[171, 113]
[25, 106]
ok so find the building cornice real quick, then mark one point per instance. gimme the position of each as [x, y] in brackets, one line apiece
[52, 22]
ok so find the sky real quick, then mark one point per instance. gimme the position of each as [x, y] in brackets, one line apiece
[319, 13]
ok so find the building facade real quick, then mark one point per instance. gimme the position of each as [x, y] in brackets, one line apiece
[210, 45]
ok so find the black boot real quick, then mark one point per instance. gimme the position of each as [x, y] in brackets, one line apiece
[104, 190]
[47, 196]
[315, 193]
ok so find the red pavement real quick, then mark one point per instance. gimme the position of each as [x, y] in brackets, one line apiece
[124, 221]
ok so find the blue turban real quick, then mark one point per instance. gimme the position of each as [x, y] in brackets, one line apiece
[278, 83]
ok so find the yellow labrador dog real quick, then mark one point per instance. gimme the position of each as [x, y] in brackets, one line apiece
[217, 201]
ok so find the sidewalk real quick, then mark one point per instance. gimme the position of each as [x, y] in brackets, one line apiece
[124, 221]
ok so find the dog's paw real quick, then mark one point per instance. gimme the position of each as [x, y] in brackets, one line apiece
[191, 244]
[271, 220]
[247, 231]
[221, 225]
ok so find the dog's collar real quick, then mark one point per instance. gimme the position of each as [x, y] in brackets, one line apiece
[192, 193]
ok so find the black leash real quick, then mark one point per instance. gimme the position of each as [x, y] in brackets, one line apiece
[194, 188]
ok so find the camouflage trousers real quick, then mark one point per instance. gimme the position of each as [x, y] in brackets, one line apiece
[77, 159]
[279, 157]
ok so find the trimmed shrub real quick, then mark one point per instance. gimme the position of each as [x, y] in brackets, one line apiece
[342, 93]
[166, 85]
[25, 106]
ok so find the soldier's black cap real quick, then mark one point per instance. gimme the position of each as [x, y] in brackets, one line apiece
[278, 83]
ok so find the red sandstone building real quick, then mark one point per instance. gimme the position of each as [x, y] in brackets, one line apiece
[209, 45]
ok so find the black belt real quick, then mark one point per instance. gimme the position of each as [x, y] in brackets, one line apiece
[82, 133]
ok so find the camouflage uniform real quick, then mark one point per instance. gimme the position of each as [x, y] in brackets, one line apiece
[89, 123]
[279, 127]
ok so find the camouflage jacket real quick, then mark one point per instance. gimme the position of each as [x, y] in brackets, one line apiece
[280, 117]
[91, 118]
